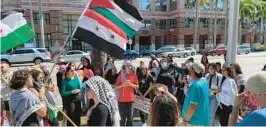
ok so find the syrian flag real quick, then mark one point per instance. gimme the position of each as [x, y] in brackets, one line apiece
[14, 31]
[106, 27]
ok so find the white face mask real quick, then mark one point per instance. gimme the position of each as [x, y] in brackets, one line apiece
[164, 65]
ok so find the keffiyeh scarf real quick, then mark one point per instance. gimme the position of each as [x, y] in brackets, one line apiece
[106, 96]
[22, 104]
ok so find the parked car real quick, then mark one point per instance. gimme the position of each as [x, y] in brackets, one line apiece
[192, 50]
[209, 51]
[27, 55]
[74, 55]
[163, 49]
[147, 52]
[221, 50]
[131, 53]
[243, 49]
[176, 52]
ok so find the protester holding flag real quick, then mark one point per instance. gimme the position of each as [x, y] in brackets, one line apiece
[126, 82]
[105, 111]
[26, 108]
[70, 91]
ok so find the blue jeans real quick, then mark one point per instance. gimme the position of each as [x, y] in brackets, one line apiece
[213, 107]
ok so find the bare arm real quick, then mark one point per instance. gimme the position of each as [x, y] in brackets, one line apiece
[234, 116]
[190, 112]
[147, 92]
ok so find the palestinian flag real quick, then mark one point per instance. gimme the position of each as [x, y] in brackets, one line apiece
[106, 27]
[14, 31]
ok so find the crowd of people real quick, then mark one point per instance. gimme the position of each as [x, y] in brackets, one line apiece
[194, 93]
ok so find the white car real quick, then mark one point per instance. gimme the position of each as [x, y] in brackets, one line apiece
[74, 56]
[27, 55]
[192, 50]
[176, 52]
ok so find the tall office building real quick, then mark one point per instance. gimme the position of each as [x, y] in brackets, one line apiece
[166, 22]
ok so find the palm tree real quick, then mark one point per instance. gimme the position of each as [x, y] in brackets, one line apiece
[261, 14]
[197, 4]
[246, 12]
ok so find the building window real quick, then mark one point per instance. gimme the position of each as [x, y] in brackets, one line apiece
[219, 23]
[47, 40]
[145, 5]
[161, 24]
[147, 24]
[205, 5]
[46, 18]
[220, 4]
[190, 4]
[189, 23]
[69, 24]
[173, 23]
[160, 5]
[173, 5]
[203, 23]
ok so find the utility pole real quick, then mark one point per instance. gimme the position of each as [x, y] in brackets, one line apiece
[196, 24]
[32, 24]
[42, 44]
[232, 31]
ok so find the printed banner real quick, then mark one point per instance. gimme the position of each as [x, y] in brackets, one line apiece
[142, 104]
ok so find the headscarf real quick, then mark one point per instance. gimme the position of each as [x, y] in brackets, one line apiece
[62, 69]
[109, 67]
[106, 96]
[123, 71]
[22, 104]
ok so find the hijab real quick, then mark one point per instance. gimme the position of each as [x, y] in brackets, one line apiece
[106, 96]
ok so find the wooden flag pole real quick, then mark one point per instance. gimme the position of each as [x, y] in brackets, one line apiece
[60, 110]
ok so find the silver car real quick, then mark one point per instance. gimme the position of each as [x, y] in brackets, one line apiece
[74, 56]
[243, 49]
[176, 52]
[192, 50]
[27, 55]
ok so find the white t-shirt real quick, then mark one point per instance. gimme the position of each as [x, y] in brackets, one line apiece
[228, 92]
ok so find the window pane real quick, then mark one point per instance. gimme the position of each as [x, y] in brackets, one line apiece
[161, 24]
[203, 23]
[145, 5]
[220, 4]
[173, 5]
[160, 5]
[173, 23]
[190, 4]
[42, 50]
[189, 22]
[28, 51]
[78, 53]
[19, 52]
[205, 6]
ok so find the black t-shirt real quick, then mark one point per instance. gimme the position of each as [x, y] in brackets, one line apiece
[144, 82]
[59, 79]
[111, 78]
[100, 116]
[31, 120]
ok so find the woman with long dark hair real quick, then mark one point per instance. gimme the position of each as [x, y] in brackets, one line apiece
[70, 91]
[26, 108]
[164, 112]
[108, 61]
[238, 76]
[205, 62]
[111, 74]
[145, 82]
[226, 96]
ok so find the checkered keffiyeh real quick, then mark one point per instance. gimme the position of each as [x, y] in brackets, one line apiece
[106, 96]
